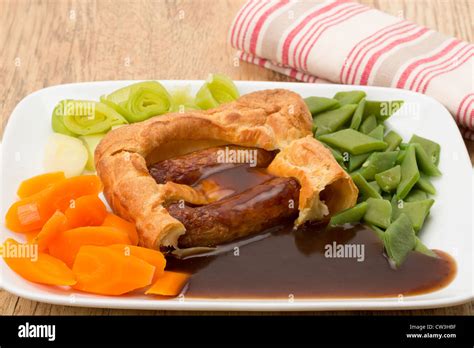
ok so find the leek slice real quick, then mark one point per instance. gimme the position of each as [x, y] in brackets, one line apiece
[84, 117]
[218, 89]
[140, 101]
[65, 154]
[183, 100]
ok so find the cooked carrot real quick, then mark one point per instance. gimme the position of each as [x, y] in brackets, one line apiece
[30, 236]
[66, 245]
[56, 224]
[153, 257]
[102, 270]
[40, 268]
[38, 183]
[113, 220]
[86, 211]
[169, 284]
[31, 213]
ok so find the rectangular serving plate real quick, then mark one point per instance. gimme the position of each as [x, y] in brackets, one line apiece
[449, 227]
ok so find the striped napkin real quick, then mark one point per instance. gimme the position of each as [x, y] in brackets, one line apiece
[346, 42]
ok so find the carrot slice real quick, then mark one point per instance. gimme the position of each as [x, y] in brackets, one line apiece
[56, 224]
[153, 257]
[67, 244]
[38, 183]
[36, 267]
[30, 236]
[113, 220]
[169, 284]
[102, 270]
[86, 211]
[31, 213]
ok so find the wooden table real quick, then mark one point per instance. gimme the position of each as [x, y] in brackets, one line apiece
[45, 43]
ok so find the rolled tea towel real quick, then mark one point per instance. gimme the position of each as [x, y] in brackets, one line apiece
[345, 42]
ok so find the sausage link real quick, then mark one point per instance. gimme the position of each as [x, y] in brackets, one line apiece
[190, 168]
[249, 212]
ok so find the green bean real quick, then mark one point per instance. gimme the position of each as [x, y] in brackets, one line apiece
[350, 215]
[365, 189]
[353, 141]
[389, 179]
[425, 184]
[424, 162]
[378, 162]
[401, 156]
[431, 148]
[358, 115]
[377, 230]
[403, 146]
[379, 212]
[355, 161]
[333, 120]
[417, 211]
[377, 132]
[382, 109]
[421, 248]
[399, 239]
[350, 97]
[375, 186]
[416, 195]
[410, 173]
[393, 140]
[368, 125]
[320, 104]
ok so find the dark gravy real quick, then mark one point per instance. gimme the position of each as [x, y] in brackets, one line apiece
[284, 262]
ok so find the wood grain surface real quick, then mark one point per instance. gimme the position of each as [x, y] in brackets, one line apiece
[50, 42]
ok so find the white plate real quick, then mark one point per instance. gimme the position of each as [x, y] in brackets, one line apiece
[449, 227]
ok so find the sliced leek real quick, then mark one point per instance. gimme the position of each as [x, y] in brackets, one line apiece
[84, 117]
[217, 90]
[140, 101]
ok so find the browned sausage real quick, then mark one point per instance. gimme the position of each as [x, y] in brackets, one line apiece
[190, 168]
[249, 212]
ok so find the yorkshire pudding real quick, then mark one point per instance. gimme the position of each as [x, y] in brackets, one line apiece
[273, 120]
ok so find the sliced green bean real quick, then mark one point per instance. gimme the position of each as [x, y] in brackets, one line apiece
[355, 161]
[333, 120]
[393, 140]
[421, 248]
[389, 179]
[424, 162]
[425, 184]
[377, 132]
[417, 211]
[403, 146]
[382, 109]
[353, 141]
[350, 215]
[401, 156]
[379, 212]
[320, 104]
[416, 195]
[365, 189]
[358, 115]
[350, 97]
[368, 125]
[377, 230]
[431, 148]
[399, 239]
[378, 162]
[375, 186]
[410, 173]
